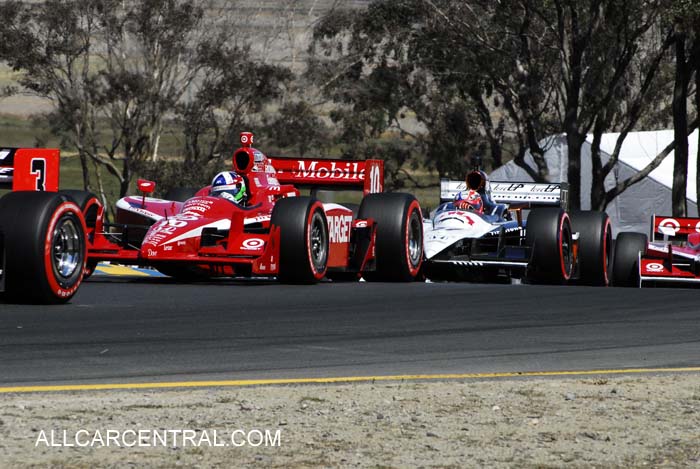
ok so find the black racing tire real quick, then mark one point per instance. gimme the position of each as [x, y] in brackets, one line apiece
[88, 202]
[304, 239]
[399, 236]
[625, 268]
[91, 206]
[354, 207]
[180, 194]
[45, 247]
[90, 267]
[594, 246]
[548, 234]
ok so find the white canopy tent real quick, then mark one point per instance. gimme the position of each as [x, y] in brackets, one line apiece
[631, 210]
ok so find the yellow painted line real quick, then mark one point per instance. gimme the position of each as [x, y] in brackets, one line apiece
[339, 379]
[119, 270]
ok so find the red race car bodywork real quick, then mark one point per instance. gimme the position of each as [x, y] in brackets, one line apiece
[277, 233]
[42, 232]
[671, 254]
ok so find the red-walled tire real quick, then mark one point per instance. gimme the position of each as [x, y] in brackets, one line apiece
[594, 246]
[303, 239]
[91, 206]
[628, 247]
[549, 236]
[399, 240]
[45, 250]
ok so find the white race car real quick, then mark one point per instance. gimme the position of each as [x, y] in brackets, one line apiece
[551, 245]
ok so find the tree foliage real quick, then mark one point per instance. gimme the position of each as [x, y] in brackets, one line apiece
[501, 76]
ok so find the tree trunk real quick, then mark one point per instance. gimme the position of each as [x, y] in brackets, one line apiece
[574, 142]
[679, 207]
[696, 66]
[598, 179]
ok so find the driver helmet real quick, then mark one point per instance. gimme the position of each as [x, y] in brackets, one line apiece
[476, 180]
[470, 201]
[230, 186]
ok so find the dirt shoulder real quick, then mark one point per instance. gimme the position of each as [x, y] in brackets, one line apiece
[630, 421]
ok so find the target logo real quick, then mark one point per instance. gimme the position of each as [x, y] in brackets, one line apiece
[669, 226]
[252, 244]
[246, 138]
[654, 267]
[697, 227]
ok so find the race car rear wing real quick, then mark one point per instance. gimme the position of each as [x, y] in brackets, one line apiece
[29, 169]
[525, 194]
[326, 173]
[673, 228]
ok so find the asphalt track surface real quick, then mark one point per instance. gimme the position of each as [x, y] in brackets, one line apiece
[141, 330]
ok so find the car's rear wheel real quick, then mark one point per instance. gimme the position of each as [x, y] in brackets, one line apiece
[628, 247]
[399, 236]
[90, 205]
[594, 246]
[549, 236]
[303, 239]
[45, 249]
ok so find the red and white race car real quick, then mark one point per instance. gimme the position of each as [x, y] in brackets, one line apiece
[42, 231]
[671, 256]
[277, 233]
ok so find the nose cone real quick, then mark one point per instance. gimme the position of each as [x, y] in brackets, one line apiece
[450, 227]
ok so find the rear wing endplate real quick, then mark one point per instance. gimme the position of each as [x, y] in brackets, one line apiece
[528, 194]
[29, 169]
[325, 173]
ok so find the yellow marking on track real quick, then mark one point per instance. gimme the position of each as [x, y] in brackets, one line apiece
[119, 270]
[339, 379]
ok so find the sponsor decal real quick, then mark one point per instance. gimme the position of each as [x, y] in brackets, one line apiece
[333, 171]
[455, 215]
[339, 228]
[258, 156]
[521, 187]
[168, 227]
[252, 244]
[361, 224]
[697, 227]
[144, 212]
[654, 267]
[669, 226]
[258, 219]
[4, 154]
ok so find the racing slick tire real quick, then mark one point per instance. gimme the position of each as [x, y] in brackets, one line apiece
[549, 235]
[625, 267]
[594, 246]
[303, 239]
[45, 248]
[90, 206]
[180, 194]
[399, 236]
